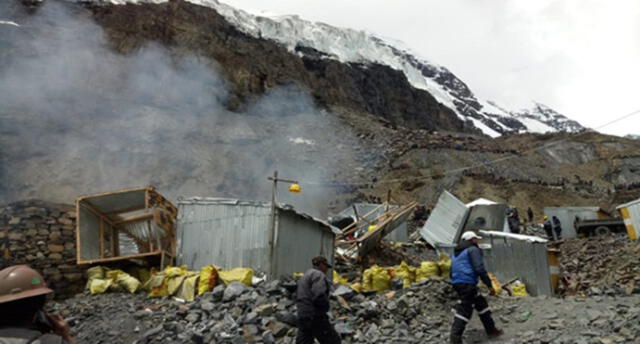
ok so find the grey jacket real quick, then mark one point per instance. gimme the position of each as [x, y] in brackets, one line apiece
[313, 293]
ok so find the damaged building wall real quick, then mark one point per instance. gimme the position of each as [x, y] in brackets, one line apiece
[232, 233]
[527, 261]
[298, 240]
[227, 235]
[42, 235]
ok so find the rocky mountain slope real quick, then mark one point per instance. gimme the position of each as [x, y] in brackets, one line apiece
[99, 97]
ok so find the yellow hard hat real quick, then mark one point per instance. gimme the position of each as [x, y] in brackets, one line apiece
[295, 188]
[546, 217]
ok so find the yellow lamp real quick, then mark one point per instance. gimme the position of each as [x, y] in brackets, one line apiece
[295, 188]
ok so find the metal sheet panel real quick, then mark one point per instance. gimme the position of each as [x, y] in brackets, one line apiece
[446, 220]
[371, 242]
[118, 201]
[298, 241]
[89, 234]
[227, 235]
[567, 216]
[400, 234]
[631, 216]
[486, 217]
[524, 260]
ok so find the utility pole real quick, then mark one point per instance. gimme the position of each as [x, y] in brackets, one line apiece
[272, 227]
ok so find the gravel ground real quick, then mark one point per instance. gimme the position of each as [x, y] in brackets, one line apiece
[419, 314]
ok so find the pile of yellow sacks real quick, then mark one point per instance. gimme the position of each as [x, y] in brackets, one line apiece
[378, 278]
[172, 281]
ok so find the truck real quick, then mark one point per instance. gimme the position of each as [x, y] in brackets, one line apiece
[599, 227]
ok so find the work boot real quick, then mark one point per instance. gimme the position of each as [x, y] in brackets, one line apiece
[455, 340]
[496, 332]
[457, 329]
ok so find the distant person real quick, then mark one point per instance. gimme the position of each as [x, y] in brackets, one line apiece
[548, 227]
[312, 299]
[23, 294]
[467, 267]
[530, 214]
[513, 221]
[557, 227]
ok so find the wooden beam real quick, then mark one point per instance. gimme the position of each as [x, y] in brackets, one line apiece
[78, 257]
[101, 239]
[134, 208]
[136, 218]
[140, 188]
[95, 212]
[112, 259]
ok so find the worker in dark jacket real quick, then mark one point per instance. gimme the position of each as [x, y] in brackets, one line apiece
[467, 267]
[313, 293]
[23, 294]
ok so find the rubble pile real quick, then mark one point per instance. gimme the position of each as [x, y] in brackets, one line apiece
[601, 265]
[42, 235]
[266, 313]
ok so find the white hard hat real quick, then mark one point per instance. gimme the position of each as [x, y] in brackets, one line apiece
[470, 235]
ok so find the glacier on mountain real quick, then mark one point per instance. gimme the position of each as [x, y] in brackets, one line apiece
[357, 46]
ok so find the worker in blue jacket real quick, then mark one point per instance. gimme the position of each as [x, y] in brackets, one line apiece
[466, 269]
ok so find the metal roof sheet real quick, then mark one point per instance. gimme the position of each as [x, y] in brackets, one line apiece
[446, 220]
[117, 201]
[253, 203]
[628, 204]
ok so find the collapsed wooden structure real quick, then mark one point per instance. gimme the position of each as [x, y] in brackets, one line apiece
[136, 223]
[365, 233]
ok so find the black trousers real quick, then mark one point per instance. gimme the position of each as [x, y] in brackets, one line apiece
[470, 299]
[318, 328]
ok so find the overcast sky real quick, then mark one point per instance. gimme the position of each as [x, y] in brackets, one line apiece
[581, 57]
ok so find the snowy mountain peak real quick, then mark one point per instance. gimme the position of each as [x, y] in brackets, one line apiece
[321, 40]
[547, 119]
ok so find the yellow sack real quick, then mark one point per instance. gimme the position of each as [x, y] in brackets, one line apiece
[406, 273]
[444, 265]
[96, 272]
[495, 283]
[376, 278]
[427, 270]
[337, 279]
[174, 283]
[139, 273]
[357, 287]
[122, 280]
[187, 290]
[208, 279]
[98, 285]
[519, 289]
[157, 285]
[244, 275]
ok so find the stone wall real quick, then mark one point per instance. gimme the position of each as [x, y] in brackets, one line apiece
[42, 235]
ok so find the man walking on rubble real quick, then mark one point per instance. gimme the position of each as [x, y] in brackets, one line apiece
[467, 267]
[312, 299]
[23, 295]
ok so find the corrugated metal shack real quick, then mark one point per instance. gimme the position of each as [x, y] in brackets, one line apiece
[370, 211]
[631, 214]
[510, 256]
[233, 233]
[567, 216]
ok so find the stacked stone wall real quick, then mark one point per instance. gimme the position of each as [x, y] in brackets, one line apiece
[43, 236]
